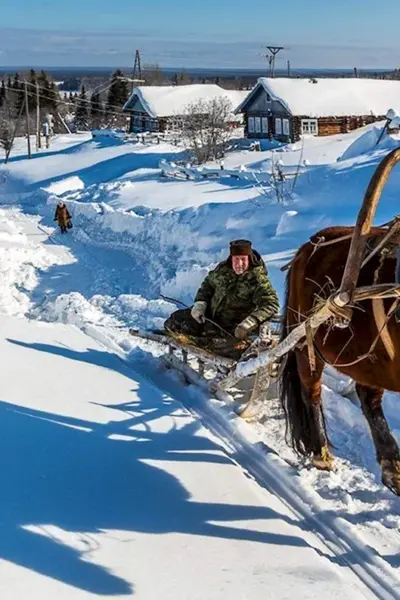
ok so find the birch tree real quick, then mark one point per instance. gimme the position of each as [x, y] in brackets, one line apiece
[205, 128]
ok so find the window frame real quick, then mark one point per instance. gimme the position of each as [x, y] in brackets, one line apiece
[251, 125]
[264, 120]
[286, 127]
[309, 124]
[278, 130]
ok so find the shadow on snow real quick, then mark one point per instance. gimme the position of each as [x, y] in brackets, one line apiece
[73, 474]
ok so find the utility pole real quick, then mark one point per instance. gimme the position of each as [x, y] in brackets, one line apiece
[27, 120]
[64, 123]
[288, 69]
[38, 136]
[137, 69]
[271, 58]
[21, 110]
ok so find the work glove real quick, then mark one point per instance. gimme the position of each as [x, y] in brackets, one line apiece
[198, 311]
[245, 327]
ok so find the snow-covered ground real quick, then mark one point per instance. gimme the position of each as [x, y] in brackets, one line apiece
[110, 488]
[92, 520]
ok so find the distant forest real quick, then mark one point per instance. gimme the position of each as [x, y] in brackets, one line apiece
[88, 98]
[73, 78]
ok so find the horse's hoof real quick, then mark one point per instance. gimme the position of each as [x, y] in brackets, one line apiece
[321, 464]
[324, 461]
[391, 475]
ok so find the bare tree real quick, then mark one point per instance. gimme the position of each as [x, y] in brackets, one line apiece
[8, 120]
[153, 75]
[6, 132]
[205, 128]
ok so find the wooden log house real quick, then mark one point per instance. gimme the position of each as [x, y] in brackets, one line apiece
[159, 108]
[287, 108]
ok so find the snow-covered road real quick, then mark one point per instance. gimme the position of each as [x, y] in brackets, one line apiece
[110, 487]
[164, 492]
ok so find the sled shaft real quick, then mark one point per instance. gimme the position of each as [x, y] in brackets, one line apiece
[203, 355]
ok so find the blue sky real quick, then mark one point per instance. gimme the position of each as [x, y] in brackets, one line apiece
[204, 33]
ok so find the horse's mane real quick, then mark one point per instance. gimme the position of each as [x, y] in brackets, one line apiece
[332, 233]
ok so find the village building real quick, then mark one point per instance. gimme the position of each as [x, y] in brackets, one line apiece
[157, 108]
[287, 108]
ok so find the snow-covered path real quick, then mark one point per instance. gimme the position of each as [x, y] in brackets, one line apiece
[264, 525]
[111, 488]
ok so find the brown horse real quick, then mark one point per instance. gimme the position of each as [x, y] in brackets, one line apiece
[316, 273]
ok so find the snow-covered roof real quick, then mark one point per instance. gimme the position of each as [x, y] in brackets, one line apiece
[165, 101]
[331, 97]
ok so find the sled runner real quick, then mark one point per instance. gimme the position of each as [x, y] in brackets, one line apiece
[206, 369]
[342, 308]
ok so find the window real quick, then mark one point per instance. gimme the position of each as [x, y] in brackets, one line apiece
[309, 126]
[250, 125]
[257, 122]
[264, 124]
[137, 122]
[286, 127]
[278, 126]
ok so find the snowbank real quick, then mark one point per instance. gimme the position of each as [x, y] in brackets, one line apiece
[106, 311]
[111, 273]
[372, 140]
[69, 184]
[175, 247]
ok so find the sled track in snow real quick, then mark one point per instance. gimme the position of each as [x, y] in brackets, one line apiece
[263, 465]
[275, 475]
[278, 477]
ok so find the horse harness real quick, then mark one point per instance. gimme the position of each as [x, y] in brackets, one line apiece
[387, 247]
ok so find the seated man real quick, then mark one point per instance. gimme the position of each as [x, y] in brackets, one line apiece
[233, 300]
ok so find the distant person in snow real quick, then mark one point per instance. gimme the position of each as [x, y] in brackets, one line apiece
[63, 217]
[237, 296]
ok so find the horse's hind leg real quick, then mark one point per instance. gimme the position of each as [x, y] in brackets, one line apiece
[387, 450]
[311, 391]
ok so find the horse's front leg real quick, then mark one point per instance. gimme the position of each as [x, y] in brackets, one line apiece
[387, 450]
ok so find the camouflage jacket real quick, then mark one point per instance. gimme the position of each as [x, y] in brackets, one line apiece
[231, 298]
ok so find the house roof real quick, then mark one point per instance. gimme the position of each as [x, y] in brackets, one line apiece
[330, 97]
[165, 101]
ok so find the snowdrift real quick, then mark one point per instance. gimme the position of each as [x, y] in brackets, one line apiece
[136, 236]
[374, 139]
[174, 230]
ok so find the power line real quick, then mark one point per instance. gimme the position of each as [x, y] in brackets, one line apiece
[67, 103]
[271, 58]
[47, 91]
[60, 101]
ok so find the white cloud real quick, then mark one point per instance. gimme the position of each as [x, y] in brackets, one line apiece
[116, 48]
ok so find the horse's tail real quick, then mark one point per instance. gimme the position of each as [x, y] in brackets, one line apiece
[301, 418]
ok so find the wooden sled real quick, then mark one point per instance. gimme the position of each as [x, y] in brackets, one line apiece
[206, 369]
